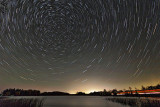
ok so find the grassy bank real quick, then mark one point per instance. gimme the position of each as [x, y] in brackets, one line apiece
[5, 102]
[136, 102]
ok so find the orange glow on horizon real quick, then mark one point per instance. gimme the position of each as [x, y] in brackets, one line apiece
[155, 91]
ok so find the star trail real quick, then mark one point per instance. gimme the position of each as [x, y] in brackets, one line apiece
[85, 45]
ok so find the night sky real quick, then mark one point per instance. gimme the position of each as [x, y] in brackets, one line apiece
[79, 45]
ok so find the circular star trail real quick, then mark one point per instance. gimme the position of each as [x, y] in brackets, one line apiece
[60, 42]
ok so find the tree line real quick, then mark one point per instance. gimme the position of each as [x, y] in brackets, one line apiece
[114, 92]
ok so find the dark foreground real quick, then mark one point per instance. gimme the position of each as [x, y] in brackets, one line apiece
[136, 102]
[78, 101]
[23, 102]
[59, 101]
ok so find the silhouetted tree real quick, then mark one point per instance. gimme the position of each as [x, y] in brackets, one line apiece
[55, 93]
[143, 88]
[80, 93]
[158, 86]
[136, 91]
[150, 88]
[130, 90]
[20, 92]
[114, 92]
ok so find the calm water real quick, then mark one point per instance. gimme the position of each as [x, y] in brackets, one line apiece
[77, 101]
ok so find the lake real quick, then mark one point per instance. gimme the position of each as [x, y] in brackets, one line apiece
[76, 101]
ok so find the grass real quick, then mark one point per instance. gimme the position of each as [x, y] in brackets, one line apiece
[137, 102]
[24, 102]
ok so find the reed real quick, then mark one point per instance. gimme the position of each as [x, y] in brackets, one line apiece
[137, 102]
[24, 102]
